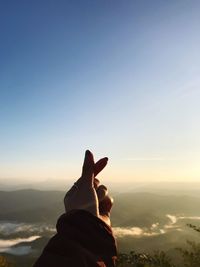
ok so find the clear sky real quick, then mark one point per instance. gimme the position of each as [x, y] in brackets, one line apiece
[121, 78]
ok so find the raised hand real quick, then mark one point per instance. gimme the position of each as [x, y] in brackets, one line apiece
[87, 193]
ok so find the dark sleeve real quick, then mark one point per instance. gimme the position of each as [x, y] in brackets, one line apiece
[82, 240]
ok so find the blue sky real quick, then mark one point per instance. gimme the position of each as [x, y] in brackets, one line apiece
[118, 77]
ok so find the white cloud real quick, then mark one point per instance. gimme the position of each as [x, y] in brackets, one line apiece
[155, 228]
[173, 219]
[189, 217]
[135, 232]
[6, 244]
[7, 228]
[155, 225]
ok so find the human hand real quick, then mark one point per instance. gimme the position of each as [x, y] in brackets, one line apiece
[87, 194]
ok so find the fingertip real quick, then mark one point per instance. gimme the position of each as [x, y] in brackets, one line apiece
[87, 152]
[88, 155]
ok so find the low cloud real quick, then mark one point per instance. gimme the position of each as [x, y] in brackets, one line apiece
[7, 228]
[189, 217]
[173, 219]
[7, 245]
[155, 229]
[35, 231]
[29, 232]
[135, 232]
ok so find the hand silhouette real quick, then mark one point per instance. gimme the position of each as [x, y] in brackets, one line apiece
[87, 194]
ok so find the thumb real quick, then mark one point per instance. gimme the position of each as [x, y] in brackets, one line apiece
[88, 168]
[100, 165]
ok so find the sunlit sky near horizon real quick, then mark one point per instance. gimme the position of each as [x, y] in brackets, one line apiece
[121, 78]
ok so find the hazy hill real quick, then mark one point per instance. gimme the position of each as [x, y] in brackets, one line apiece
[26, 199]
[162, 188]
[138, 209]
[144, 209]
[31, 205]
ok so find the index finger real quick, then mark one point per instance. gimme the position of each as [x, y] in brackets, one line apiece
[88, 167]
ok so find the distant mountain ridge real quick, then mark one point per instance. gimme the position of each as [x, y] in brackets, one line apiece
[130, 209]
[177, 188]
